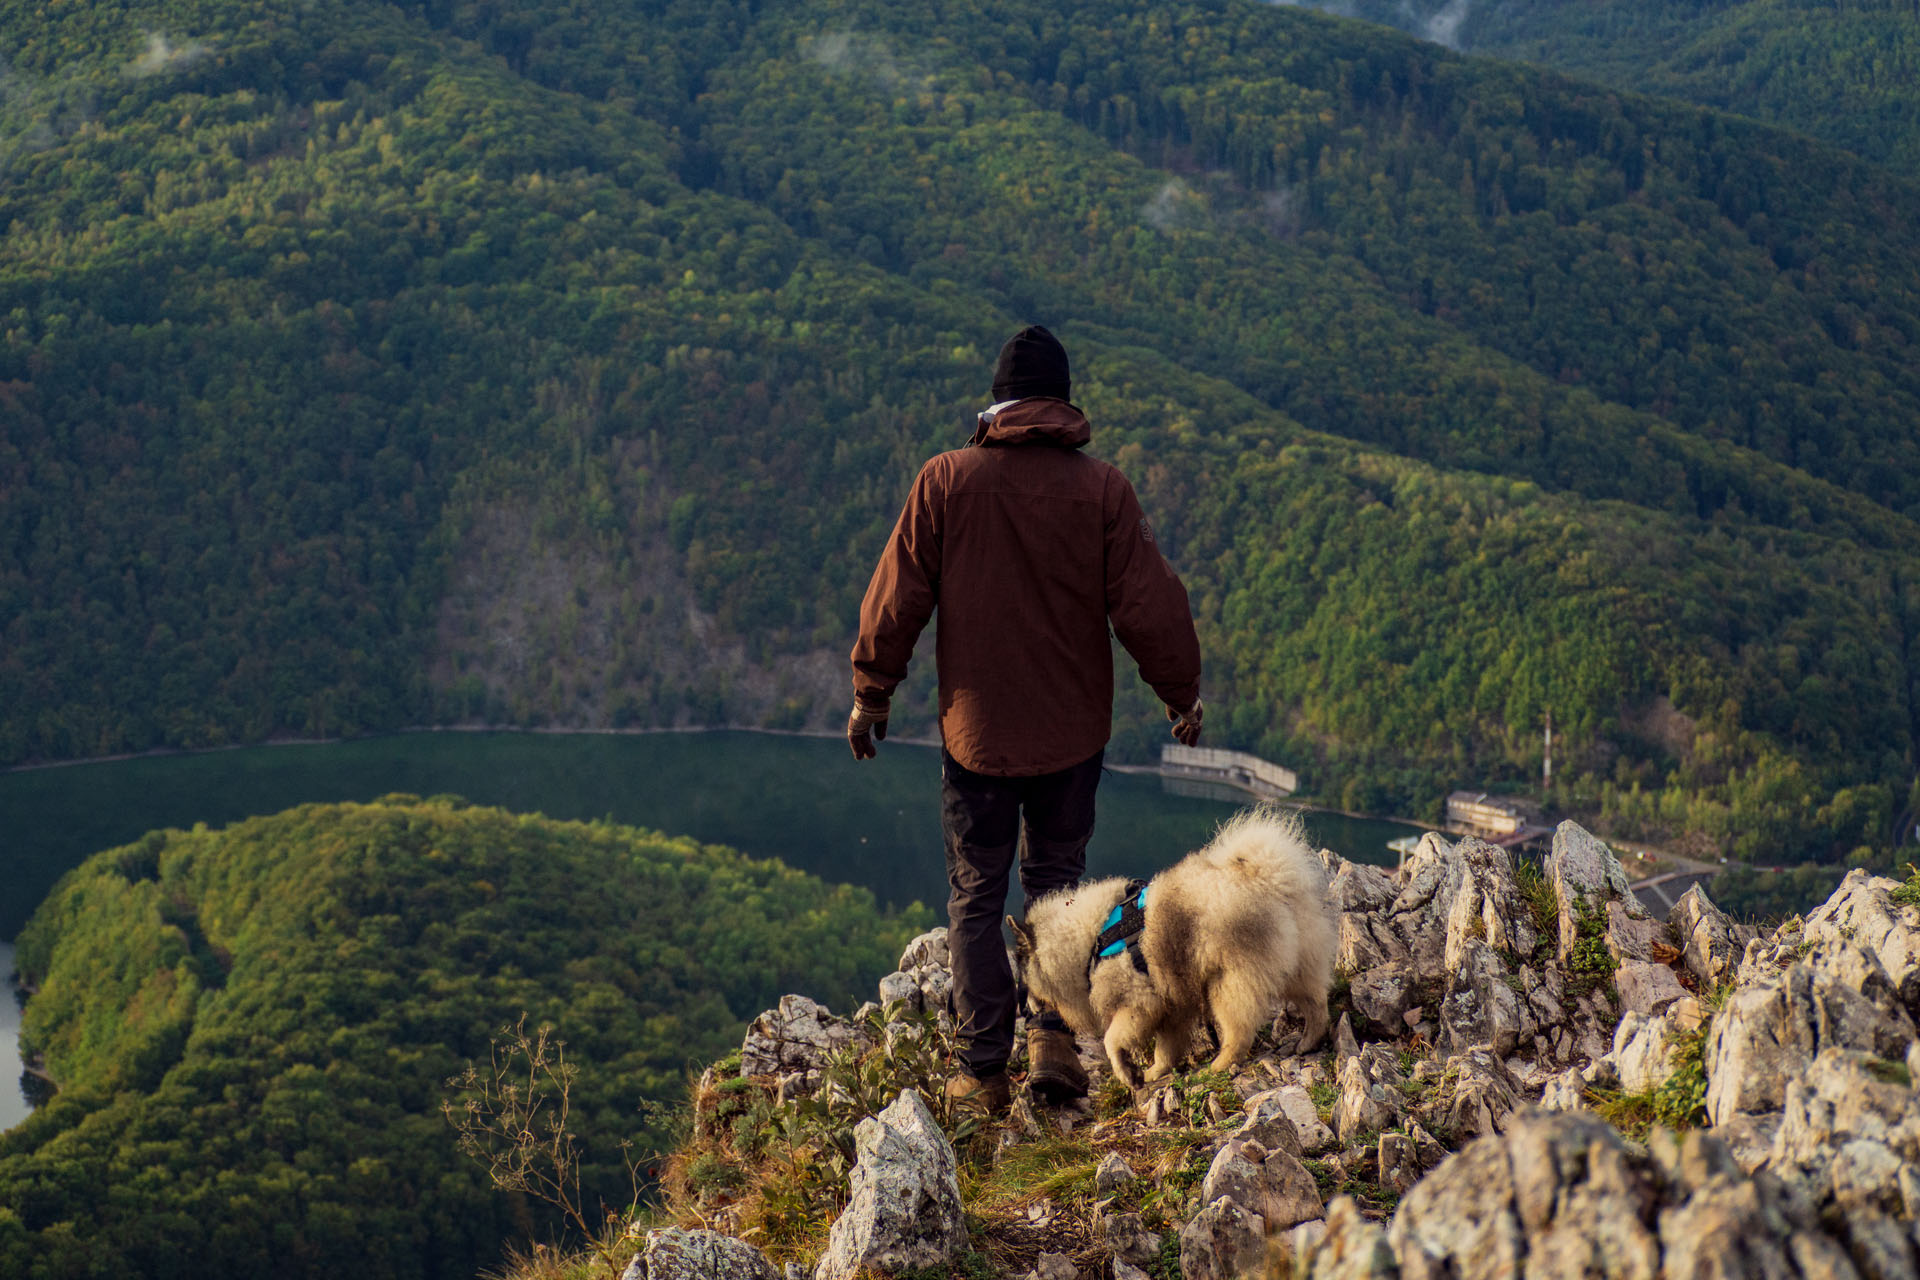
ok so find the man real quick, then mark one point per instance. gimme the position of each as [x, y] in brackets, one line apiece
[1029, 548]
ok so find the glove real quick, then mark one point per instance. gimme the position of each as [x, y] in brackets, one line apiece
[864, 726]
[1186, 724]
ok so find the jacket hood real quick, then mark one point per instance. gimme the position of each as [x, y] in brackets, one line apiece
[1040, 420]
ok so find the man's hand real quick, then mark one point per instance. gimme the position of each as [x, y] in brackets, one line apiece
[1186, 724]
[867, 724]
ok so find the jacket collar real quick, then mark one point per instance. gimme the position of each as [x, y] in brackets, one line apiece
[1036, 420]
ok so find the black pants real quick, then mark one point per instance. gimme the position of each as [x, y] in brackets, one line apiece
[1047, 819]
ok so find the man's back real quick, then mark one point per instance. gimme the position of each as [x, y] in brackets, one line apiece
[1028, 547]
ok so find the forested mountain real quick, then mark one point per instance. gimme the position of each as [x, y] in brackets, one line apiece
[369, 363]
[252, 1028]
[1845, 72]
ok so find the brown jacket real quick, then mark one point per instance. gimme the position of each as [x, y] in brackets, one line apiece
[1029, 548]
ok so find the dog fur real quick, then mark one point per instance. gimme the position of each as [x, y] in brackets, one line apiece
[1231, 930]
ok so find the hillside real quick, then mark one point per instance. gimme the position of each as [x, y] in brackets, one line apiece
[1845, 73]
[375, 364]
[251, 1028]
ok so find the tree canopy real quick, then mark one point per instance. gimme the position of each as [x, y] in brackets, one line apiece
[251, 1027]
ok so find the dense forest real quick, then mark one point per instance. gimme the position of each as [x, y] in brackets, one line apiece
[1846, 72]
[252, 1028]
[366, 364]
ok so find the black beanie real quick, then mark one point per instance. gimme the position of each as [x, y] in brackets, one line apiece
[1033, 363]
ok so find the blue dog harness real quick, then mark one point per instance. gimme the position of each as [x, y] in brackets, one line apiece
[1122, 930]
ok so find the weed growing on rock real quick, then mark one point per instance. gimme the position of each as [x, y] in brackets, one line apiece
[1908, 893]
[1590, 966]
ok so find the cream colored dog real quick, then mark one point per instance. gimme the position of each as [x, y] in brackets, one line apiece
[1230, 931]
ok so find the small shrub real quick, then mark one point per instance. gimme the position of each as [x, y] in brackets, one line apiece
[1590, 966]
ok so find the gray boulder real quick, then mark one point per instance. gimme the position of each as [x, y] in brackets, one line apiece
[1370, 1096]
[1708, 940]
[1583, 870]
[795, 1037]
[1476, 1095]
[1481, 1006]
[673, 1254]
[1126, 1237]
[1361, 894]
[1271, 1184]
[1646, 987]
[1222, 1242]
[929, 950]
[903, 1206]
[1350, 1248]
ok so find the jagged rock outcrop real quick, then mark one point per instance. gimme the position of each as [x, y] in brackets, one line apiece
[794, 1038]
[1862, 912]
[1476, 1014]
[903, 1206]
[1562, 1194]
[673, 1254]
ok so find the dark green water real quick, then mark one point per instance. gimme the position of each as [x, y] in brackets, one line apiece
[803, 800]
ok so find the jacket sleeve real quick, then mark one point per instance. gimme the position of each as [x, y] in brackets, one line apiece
[901, 597]
[1147, 603]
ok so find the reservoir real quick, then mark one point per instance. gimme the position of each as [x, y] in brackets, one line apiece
[802, 800]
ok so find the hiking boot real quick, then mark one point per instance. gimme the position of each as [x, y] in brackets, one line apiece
[993, 1094]
[1054, 1072]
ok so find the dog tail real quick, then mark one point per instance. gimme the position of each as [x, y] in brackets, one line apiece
[1266, 849]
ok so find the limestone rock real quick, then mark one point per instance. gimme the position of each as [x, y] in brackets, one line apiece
[1631, 932]
[1707, 939]
[1451, 895]
[927, 950]
[900, 989]
[1862, 912]
[1481, 1006]
[1124, 1270]
[1642, 1054]
[1344, 1044]
[1646, 987]
[1583, 869]
[1565, 1092]
[1381, 994]
[1350, 1249]
[1399, 1163]
[1296, 1104]
[1370, 1097]
[673, 1254]
[1126, 1236]
[1361, 895]
[1778, 1021]
[1476, 1096]
[1272, 1184]
[796, 1036]
[1222, 1242]
[1113, 1174]
[1268, 1124]
[1054, 1266]
[903, 1207]
[1849, 1136]
[1558, 1194]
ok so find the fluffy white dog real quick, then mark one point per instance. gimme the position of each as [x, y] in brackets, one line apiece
[1226, 934]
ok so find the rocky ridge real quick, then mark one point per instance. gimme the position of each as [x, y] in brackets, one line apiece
[1529, 1075]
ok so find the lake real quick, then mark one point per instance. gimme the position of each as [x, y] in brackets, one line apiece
[803, 800]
